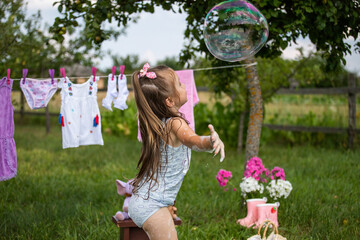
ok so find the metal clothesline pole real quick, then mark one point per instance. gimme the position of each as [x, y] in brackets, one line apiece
[195, 70]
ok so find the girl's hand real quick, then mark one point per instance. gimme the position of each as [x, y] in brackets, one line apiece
[216, 143]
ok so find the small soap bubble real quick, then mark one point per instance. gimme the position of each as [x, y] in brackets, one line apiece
[235, 30]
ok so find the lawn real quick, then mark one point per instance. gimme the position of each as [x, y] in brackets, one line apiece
[71, 193]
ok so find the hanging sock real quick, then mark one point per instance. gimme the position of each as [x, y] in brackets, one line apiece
[120, 102]
[111, 90]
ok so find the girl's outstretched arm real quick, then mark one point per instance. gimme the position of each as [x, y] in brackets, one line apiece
[198, 143]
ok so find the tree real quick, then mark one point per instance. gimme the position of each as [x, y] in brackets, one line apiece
[327, 23]
[23, 44]
[11, 16]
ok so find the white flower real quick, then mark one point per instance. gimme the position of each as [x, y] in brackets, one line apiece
[250, 185]
[279, 188]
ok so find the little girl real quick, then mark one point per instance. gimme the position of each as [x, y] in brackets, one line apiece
[165, 154]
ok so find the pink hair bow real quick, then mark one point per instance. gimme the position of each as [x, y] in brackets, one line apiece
[144, 72]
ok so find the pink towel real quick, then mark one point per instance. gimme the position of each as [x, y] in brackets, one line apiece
[186, 77]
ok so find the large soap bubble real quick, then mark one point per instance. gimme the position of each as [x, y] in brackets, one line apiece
[235, 30]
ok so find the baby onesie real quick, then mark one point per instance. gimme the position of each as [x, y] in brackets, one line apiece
[79, 115]
[8, 158]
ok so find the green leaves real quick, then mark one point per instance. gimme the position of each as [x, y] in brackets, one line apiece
[60, 8]
[325, 22]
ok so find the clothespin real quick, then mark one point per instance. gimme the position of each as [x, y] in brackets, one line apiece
[8, 76]
[94, 72]
[113, 72]
[25, 71]
[122, 69]
[51, 73]
[62, 72]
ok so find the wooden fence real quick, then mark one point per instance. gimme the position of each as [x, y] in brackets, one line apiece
[350, 91]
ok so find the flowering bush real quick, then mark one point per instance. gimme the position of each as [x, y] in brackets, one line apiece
[257, 177]
[258, 181]
[223, 178]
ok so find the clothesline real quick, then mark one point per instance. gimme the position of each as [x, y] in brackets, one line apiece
[197, 69]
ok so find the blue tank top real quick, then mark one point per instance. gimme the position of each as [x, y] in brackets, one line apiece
[171, 175]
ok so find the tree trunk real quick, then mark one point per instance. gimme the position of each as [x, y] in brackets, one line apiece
[256, 111]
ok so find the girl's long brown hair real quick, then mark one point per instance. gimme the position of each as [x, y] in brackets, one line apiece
[150, 96]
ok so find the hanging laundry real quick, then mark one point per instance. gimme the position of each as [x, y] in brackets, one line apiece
[38, 92]
[186, 77]
[120, 101]
[79, 114]
[111, 90]
[8, 158]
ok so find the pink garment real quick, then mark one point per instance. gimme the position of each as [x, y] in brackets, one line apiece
[38, 92]
[8, 158]
[186, 77]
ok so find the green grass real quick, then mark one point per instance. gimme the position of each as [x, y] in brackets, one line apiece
[71, 193]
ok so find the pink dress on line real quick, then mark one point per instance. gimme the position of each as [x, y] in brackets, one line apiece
[8, 159]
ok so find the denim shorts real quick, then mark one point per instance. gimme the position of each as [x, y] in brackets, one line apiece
[141, 209]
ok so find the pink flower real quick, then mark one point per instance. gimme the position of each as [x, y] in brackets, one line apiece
[277, 173]
[223, 177]
[255, 168]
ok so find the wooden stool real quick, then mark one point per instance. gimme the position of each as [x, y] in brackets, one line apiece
[129, 230]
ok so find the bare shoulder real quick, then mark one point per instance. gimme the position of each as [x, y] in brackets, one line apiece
[177, 123]
[173, 126]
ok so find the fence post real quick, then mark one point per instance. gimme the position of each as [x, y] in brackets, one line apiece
[47, 115]
[352, 110]
[22, 101]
